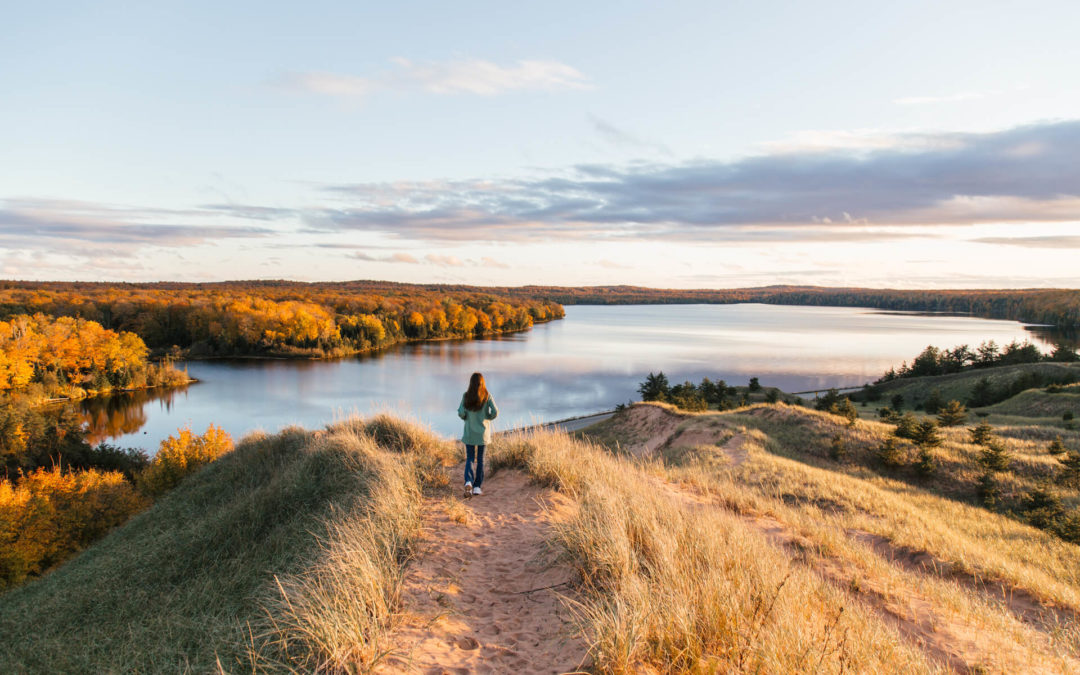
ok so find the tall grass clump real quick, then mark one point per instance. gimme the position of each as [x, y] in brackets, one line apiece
[674, 586]
[334, 614]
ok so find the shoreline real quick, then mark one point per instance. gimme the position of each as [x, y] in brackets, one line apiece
[348, 353]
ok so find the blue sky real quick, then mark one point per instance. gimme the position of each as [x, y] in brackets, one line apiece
[694, 144]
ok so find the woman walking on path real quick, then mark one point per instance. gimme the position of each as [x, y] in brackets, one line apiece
[477, 409]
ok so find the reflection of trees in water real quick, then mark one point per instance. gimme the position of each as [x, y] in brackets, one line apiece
[1055, 336]
[106, 417]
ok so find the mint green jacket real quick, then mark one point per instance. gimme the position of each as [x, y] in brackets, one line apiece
[477, 422]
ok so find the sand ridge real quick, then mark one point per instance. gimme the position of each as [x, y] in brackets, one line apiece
[486, 595]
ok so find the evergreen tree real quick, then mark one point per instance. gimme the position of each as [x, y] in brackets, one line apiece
[754, 384]
[988, 490]
[952, 414]
[925, 463]
[994, 456]
[826, 402]
[1070, 470]
[655, 388]
[847, 410]
[981, 434]
[907, 426]
[1056, 447]
[934, 401]
[927, 435]
[982, 394]
[772, 396]
[1062, 352]
[897, 402]
[837, 448]
[890, 453]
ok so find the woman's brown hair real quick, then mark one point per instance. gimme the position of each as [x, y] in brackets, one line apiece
[477, 395]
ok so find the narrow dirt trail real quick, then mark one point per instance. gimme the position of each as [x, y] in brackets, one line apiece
[480, 597]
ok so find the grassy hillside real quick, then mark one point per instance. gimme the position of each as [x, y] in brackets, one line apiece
[285, 554]
[714, 542]
[962, 386]
[896, 544]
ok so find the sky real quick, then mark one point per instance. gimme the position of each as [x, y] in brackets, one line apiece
[680, 145]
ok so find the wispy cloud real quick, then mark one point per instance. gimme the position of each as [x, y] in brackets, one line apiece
[467, 76]
[1045, 241]
[392, 258]
[624, 139]
[84, 227]
[947, 98]
[491, 262]
[434, 259]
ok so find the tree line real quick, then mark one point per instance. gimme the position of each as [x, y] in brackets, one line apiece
[935, 361]
[279, 318]
[1052, 306]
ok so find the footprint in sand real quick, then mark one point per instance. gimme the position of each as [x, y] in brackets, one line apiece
[468, 643]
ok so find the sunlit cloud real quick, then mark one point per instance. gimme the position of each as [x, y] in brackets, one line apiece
[444, 260]
[467, 76]
[1045, 241]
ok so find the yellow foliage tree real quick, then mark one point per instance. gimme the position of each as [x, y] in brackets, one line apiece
[182, 455]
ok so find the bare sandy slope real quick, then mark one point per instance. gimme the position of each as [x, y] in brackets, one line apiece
[485, 595]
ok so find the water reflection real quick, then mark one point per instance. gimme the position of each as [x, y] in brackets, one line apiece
[108, 417]
[592, 360]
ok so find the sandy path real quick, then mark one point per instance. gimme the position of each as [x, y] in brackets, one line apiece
[468, 600]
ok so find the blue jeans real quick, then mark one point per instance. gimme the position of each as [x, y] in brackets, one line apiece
[477, 451]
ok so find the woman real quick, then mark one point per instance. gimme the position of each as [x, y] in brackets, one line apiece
[477, 409]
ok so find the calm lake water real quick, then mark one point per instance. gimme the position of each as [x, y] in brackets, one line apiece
[589, 361]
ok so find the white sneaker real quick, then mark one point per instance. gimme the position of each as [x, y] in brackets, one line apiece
[468, 489]
[477, 491]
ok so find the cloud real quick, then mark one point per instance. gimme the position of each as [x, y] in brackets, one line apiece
[467, 76]
[1025, 174]
[444, 260]
[1045, 241]
[392, 258]
[608, 264]
[82, 228]
[623, 139]
[491, 262]
[948, 98]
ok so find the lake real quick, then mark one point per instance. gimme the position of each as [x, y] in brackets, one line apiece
[589, 361]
